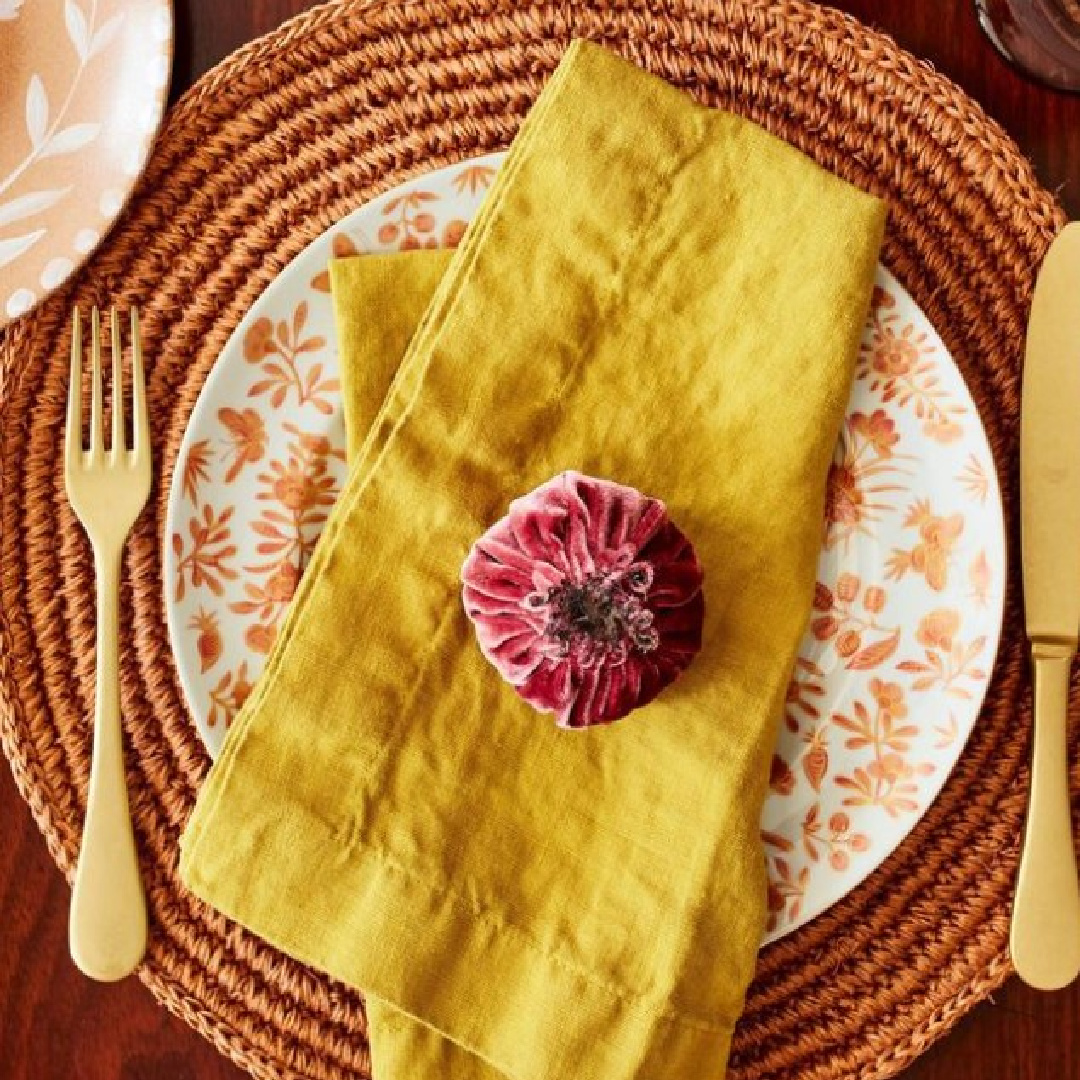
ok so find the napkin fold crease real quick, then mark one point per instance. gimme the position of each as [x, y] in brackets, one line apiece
[655, 293]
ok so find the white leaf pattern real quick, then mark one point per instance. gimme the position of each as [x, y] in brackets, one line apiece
[11, 249]
[27, 205]
[37, 110]
[9, 9]
[71, 138]
[76, 28]
[105, 35]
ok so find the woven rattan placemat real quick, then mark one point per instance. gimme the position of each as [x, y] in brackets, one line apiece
[261, 156]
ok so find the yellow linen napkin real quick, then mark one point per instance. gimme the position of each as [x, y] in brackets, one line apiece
[654, 293]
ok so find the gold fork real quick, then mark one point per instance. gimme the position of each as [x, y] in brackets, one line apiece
[107, 490]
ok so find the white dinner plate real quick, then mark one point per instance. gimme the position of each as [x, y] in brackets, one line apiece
[907, 611]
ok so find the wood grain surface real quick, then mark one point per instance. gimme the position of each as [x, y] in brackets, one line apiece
[55, 1025]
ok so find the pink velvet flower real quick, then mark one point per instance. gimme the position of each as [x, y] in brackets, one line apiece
[586, 598]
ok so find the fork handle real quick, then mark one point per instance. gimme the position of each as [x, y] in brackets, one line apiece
[1045, 935]
[107, 925]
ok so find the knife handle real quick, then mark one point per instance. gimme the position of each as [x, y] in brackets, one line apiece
[1045, 933]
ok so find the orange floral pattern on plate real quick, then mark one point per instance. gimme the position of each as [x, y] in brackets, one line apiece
[931, 554]
[859, 639]
[208, 560]
[906, 612]
[950, 664]
[883, 728]
[899, 358]
[208, 642]
[299, 491]
[278, 348]
[833, 843]
[196, 470]
[863, 477]
[228, 696]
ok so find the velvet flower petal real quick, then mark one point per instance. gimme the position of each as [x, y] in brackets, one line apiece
[586, 598]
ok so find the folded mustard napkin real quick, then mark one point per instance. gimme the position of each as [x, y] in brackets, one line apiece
[654, 293]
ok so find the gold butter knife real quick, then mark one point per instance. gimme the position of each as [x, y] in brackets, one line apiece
[1045, 934]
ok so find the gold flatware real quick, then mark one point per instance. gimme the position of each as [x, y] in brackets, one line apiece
[1045, 934]
[107, 489]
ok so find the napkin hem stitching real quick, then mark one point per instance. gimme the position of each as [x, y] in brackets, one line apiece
[625, 997]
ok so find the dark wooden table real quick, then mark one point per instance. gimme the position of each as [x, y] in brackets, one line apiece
[55, 1025]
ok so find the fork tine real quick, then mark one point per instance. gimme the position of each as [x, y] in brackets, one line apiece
[140, 424]
[97, 438]
[117, 384]
[73, 429]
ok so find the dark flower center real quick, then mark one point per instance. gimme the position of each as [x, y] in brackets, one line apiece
[600, 618]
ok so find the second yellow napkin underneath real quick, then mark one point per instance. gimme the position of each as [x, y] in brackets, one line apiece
[657, 294]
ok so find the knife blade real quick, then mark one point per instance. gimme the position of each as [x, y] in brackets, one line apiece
[1045, 933]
